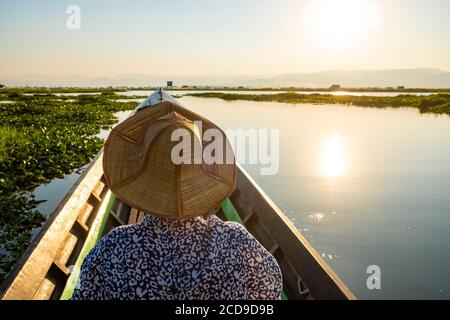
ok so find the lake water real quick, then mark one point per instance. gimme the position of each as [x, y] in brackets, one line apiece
[365, 186]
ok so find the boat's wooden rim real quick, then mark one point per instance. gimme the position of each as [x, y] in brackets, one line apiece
[25, 279]
[95, 232]
[320, 279]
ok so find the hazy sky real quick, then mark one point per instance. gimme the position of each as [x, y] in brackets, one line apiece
[182, 37]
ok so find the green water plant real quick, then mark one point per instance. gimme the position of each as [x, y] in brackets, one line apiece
[43, 137]
[434, 103]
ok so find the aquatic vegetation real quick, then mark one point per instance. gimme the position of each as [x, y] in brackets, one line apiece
[309, 89]
[43, 137]
[40, 90]
[435, 103]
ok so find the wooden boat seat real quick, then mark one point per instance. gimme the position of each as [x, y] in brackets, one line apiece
[135, 216]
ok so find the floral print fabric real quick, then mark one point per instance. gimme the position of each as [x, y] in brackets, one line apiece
[198, 258]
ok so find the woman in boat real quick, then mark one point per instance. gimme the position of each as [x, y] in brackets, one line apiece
[181, 249]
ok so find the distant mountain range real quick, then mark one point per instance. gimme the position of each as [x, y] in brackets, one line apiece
[417, 78]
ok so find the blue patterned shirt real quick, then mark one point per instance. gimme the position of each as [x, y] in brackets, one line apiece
[198, 258]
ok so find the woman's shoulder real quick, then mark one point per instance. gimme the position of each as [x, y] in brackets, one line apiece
[246, 241]
[114, 236]
[229, 227]
[232, 229]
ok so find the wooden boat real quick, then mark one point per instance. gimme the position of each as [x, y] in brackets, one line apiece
[50, 267]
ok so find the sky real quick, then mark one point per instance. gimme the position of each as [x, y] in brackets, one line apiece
[232, 37]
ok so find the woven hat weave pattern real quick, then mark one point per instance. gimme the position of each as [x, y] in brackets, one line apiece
[139, 168]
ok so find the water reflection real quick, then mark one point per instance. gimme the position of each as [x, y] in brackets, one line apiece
[333, 162]
[316, 217]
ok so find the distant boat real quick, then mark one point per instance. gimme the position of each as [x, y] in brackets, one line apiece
[50, 267]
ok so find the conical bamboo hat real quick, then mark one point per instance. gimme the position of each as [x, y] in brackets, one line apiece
[139, 168]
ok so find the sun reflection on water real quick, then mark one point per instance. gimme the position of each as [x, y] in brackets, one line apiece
[333, 161]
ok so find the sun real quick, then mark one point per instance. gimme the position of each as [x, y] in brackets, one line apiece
[342, 21]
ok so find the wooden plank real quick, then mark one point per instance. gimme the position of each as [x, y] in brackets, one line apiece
[92, 238]
[118, 212]
[242, 206]
[66, 249]
[290, 277]
[62, 267]
[85, 213]
[133, 216]
[97, 192]
[29, 273]
[141, 216]
[45, 290]
[257, 229]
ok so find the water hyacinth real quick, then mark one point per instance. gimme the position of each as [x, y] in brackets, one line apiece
[434, 103]
[42, 137]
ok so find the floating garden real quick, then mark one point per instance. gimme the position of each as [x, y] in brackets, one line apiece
[44, 136]
[434, 103]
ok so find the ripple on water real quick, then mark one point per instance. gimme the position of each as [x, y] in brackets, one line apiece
[316, 217]
[329, 256]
